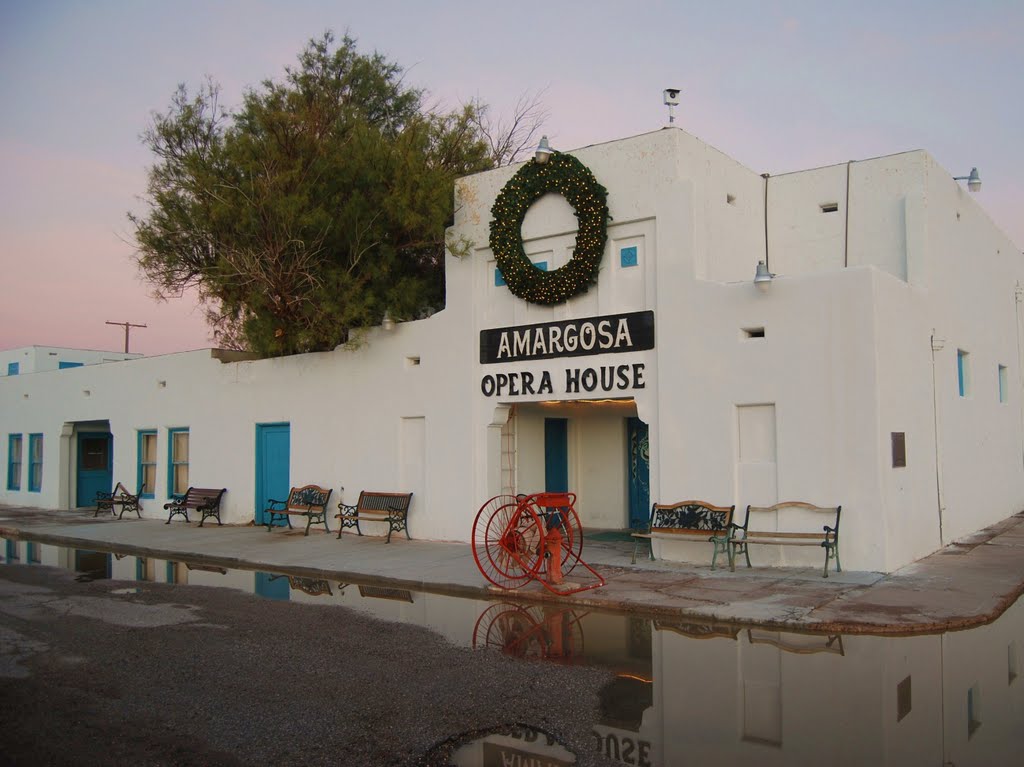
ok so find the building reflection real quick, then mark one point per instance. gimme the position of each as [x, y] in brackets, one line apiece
[695, 693]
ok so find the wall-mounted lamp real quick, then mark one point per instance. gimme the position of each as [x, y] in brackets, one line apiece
[543, 152]
[973, 180]
[388, 323]
[762, 277]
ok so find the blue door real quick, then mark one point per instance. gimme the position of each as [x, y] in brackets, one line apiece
[556, 455]
[639, 472]
[273, 586]
[273, 457]
[95, 466]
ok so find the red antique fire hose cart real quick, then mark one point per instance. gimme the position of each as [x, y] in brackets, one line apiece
[521, 538]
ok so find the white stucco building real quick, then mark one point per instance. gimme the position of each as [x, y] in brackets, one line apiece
[36, 359]
[890, 334]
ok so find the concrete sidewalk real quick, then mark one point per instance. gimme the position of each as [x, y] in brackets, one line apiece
[966, 584]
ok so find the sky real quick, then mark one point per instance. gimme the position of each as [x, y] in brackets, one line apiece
[779, 86]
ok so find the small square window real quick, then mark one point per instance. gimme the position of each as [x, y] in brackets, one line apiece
[899, 449]
[1003, 391]
[542, 265]
[628, 256]
[499, 278]
[904, 700]
[829, 207]
[973, 709]
[752, 332]
[963, 372]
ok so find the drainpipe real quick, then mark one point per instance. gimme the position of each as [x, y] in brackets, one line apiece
[765, 176]
[1018, 297]
[937, 345]
[846, 226]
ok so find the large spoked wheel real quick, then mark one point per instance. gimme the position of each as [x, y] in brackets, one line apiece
[511, 629]
[507, 542]
[547, 632]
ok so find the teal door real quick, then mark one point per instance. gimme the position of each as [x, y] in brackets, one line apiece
[95, 470]
[639, 473]
[273, 586]
[273, 457]
[556, 455]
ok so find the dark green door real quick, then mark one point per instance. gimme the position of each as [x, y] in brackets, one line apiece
[639, 473]
[556, 455]
[95, 466]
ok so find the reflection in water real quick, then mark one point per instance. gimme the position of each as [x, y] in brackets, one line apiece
[514, 745]
[546, 632]
[693, 693]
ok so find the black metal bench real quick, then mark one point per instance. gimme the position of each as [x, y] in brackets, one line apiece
[689, 519]
[118, 497]
[374, 506]
[205, 501]
[787, 514]
[309, 501]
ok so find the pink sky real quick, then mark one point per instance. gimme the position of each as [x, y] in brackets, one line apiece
[780, 86]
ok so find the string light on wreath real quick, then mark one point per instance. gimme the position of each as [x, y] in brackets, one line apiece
[565, 175]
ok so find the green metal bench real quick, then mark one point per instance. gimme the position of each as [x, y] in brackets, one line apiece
[118, 497]
[309, 501]
[786, 514]
[373, 506]
[205, 501]
[697, 520]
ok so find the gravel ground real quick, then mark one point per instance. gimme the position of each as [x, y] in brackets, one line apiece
[175, 675]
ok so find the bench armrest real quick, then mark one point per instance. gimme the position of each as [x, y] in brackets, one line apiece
[345, 508]
[272, 503]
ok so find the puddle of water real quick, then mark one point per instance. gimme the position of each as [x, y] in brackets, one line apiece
[689, 693]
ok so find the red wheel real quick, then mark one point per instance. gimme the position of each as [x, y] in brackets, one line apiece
[507, 538]
[511, 629]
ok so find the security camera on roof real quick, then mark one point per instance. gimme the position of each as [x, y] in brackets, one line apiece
[672, 97]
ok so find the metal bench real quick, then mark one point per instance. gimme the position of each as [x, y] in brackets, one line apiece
[205, 501]
[697, 520]
[118, 497]
[787, 513]
[309, 501]
[374, 506]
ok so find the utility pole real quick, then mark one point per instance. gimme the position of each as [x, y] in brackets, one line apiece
[127, 329]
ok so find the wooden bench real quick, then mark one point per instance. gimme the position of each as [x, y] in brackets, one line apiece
[119, 497]
[374, 506]
[202, 500]
[792, 514]
[689, 519]
[309, 501]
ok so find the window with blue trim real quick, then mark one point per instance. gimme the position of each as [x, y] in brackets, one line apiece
[35, 462]
[177, 461]
[628, 256]
[14, 462]
[1003, 390]
[145, 479]
[963, 372]
[13, 368]
[61, 365]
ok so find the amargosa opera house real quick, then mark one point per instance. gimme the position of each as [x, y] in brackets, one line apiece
[624, 353]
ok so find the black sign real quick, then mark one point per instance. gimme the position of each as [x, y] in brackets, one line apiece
[611, 334]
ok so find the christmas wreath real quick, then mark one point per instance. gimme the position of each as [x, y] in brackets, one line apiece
[567, 176]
